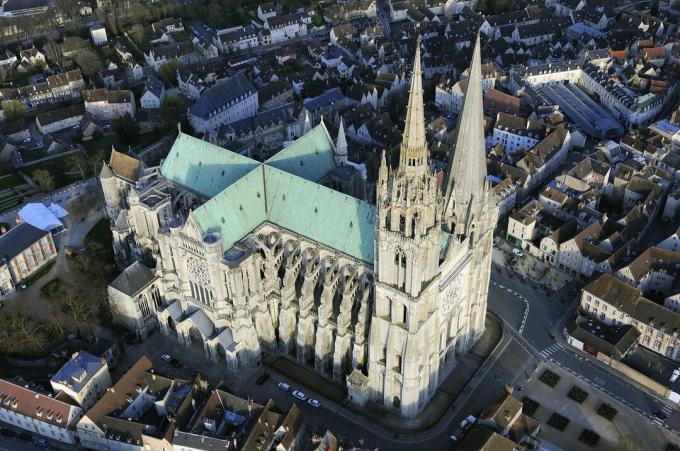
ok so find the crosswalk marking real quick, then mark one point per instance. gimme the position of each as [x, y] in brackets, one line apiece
[547, 352]
[667, 409]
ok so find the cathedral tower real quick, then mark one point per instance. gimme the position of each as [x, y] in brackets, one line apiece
[403, 365]
[432, 256]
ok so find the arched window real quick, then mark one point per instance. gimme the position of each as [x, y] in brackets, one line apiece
[402, 223]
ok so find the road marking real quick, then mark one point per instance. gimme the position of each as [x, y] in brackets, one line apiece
[547, 352]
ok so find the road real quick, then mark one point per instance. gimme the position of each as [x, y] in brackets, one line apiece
[546, 316]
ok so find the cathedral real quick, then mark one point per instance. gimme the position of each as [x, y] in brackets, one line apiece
[286, 257]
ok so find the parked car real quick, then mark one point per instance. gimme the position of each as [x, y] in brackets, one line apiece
[176, 363]
[283, 386]
[660, 415]
[299, 395]
[40, 443]
[517, 252]
[313, 402]
[262, 379]
[166, 357]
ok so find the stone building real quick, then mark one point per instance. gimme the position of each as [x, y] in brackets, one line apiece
[251, 257]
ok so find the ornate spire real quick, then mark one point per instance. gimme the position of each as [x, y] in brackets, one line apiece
[466, 173]
[341, 145]
[413, 144]
[308, 123]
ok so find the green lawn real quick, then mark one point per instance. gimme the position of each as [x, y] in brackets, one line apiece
[100, 233]
[58, 167]
[11, 181]
[180, 36]
[105, 142]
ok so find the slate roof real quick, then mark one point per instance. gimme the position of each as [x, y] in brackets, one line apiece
[18, 5]
[78, 371]
[18, 238]
[221, 94]
[50, 117]
[133, 279]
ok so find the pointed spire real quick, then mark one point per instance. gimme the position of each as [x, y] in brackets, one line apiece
[413, 144]
[467, 169]
[341, 145]
[308, 123]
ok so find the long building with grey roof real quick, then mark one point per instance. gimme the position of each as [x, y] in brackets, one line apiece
[228, 101]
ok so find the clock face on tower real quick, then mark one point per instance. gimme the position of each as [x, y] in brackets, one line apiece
[454, 294]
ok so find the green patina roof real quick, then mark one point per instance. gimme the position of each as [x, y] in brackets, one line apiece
[310, 157]
[208, 169]
[245, 193]
[203, 167]
[267, 194]
[326, 216]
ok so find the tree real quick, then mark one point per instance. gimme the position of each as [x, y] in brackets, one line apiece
[482, 7]
[173, 102]
[68, 8]
[89, 62]
[13, 110]
[78, 308]
[168, 71]
[127, 129]
[312, 88]
[44, 179]
[78, 162]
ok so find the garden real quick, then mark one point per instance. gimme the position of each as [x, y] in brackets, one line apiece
[549, 378]
[577, 394]
[529, 406]
[589, 437]
[606, 411]
[558, 421]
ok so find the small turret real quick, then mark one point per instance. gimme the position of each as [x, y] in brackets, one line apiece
[341, 146]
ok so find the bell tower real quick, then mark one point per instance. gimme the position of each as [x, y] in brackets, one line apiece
[403, 366]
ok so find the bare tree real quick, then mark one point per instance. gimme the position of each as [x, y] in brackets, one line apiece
[44, 179]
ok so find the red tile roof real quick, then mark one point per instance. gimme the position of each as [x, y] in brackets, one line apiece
[36, 405]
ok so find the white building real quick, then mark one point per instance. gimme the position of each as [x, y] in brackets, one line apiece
[84, 379]
[228, 101]
[154, 93]
[98, 34]
[37, 412]
[103, 104]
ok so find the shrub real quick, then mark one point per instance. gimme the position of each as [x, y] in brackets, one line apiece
[606, 411]
[589, 437]
[530, 406]
[549, 378]
[577, 394]
[558, 421]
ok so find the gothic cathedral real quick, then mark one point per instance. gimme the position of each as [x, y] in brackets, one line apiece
[286, 256]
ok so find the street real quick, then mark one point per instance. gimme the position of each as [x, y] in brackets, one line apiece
[547, 316]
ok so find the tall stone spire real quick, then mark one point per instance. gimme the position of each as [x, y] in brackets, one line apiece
[341, 145]
[413, 144]
[466, 173]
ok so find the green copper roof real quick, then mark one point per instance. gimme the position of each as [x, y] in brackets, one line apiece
[267, 194]
[203, 167]
[326, 216]
[208, 169]
[244, 193]
[309, 157]
[236, 211]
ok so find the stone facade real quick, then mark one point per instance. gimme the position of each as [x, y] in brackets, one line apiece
[251, 257]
